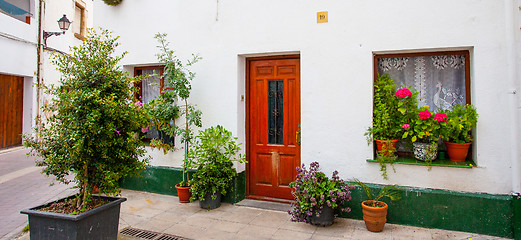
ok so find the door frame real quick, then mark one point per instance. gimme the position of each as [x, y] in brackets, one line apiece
[247, 127]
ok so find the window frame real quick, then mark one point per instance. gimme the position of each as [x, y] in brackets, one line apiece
[376, 56]
[138, 71]
[83, 19]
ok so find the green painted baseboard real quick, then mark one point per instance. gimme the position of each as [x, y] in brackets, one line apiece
[450, 210]
[496, 215]
[162, 180]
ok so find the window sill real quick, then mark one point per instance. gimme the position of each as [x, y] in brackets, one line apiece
[435, 163]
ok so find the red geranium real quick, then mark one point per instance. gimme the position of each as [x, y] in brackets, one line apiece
[441, 117]
[425, 114]
[403, 92]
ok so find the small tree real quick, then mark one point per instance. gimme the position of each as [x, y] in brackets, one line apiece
[178, 78]
[93, 131]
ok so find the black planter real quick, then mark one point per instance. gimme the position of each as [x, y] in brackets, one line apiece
[325, 218]
[99, 223]
[210, 203]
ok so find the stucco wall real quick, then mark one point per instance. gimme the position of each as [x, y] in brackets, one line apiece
[336, 70]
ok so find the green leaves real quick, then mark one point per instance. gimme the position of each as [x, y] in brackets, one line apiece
[214, 151]
[390, 191]
[461, 120]
[92, 124]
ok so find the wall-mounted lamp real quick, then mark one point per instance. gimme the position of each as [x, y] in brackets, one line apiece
[63, 23]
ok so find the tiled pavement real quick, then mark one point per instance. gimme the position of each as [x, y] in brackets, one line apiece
[22, 186]
[164, 214]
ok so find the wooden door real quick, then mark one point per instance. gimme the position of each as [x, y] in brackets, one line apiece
[11, 110]
[273, 122]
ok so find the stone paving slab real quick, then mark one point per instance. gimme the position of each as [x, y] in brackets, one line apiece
[164, 214]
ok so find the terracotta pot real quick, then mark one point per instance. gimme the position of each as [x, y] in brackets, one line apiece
[183, 193]
[374, 217]
[382, 145]
[457, 152]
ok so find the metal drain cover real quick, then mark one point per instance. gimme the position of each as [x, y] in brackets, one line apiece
[145, 234]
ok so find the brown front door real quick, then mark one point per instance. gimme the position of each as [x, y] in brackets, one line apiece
[11, 110]
[273, 122]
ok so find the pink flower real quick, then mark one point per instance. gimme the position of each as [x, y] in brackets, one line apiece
[162, 92]
[425, 114]
[144, 130]
[441, 117]
[117, 132]
[138, 103]
[403, 92]
[406, 126]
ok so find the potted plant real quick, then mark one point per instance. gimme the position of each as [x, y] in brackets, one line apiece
[112, 2]
[318, 199]
[385, 130]
[178, 78]
[91, 134]
[424, 133]
[214, 151]
[374, 210]
[458, 131]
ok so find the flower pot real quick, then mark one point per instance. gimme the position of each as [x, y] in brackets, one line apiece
[324, 218]
[374, 217]
[210, 203]
[99, 223]
[387, 147]
[425, 151]
[183, 193]
[457, 152]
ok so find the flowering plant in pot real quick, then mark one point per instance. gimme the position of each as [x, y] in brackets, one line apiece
[178, 77]
[374, 210]
[458, 131]
[386, 117]
[318, 198]
[92, 135]
[424, 132]
[214, 151]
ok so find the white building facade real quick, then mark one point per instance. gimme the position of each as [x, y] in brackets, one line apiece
[326, 56]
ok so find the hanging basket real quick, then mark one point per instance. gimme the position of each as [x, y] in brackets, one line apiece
[112, 2]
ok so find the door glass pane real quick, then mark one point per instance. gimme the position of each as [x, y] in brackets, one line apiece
[276, 112]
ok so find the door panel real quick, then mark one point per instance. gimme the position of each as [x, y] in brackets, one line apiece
[11, 110]
[274, 117]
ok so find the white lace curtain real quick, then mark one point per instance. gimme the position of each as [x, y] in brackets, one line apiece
[440, 80]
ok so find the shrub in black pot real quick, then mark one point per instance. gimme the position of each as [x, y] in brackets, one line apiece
[92, 134]
[214, 151]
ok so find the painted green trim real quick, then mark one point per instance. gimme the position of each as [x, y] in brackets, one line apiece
[443, 209]
[496, 215]
[158, 179]
[436, 163]
[516, 223]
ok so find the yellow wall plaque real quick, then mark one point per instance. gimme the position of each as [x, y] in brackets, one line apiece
[322, 17]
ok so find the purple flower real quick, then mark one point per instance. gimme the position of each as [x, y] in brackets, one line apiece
[138, 103]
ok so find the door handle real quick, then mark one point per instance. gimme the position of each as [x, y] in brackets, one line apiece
[297, 137]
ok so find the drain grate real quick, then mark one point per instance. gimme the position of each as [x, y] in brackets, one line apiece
[145, 234]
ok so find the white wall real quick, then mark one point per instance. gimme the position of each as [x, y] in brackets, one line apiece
[336, 70]
[18, 41]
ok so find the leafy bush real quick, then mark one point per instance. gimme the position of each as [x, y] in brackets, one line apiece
[93, 133]
[314, 190]
[214, 151]
[386, 117]
[461, 121]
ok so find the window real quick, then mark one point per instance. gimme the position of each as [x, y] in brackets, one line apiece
[19, 9]
[79, 24]
[149, 88]
[441, 78]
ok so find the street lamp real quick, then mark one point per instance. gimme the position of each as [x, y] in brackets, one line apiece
[63, 23]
